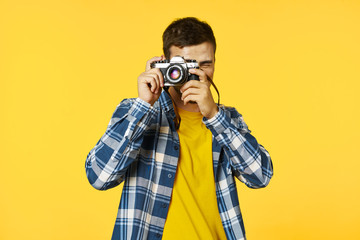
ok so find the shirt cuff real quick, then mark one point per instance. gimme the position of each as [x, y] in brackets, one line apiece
[218, 123]
[140, 108]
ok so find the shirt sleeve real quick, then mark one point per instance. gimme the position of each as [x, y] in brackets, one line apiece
[250, 161]
[107, 162]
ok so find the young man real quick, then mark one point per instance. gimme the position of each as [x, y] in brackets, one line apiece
[178, 178]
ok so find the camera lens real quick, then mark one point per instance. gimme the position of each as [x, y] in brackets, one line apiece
[175, 73]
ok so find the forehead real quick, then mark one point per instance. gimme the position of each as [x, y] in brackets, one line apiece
[201, 52]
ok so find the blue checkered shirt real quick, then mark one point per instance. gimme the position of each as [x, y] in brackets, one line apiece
[141, 148]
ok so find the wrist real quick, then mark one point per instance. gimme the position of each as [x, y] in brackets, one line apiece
[213, 112]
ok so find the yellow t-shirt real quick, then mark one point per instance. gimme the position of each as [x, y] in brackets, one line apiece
[193, 211]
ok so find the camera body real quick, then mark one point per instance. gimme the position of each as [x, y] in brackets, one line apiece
[176, 71]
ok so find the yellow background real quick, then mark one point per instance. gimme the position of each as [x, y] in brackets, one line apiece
[290, 67]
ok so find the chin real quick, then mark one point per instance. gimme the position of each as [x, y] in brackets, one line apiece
[177, 89]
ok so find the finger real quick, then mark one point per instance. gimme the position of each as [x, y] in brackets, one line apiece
[193, 91]
[161, 77]
[159, 74]
[150, 80]
[200, 73]
[157, 79]
[190, 84]
[148, 63]
[191, 97]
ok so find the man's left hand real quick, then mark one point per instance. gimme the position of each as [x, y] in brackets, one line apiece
[199, 92]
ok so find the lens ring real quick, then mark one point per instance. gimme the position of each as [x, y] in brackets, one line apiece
[175, 74]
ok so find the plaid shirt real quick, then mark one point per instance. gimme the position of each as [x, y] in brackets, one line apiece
[141, 146]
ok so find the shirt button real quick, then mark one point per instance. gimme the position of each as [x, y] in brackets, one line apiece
[163, 205]
[176, 147]
[169, 175]
[158, 235]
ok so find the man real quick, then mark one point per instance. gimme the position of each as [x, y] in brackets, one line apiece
[178, 175]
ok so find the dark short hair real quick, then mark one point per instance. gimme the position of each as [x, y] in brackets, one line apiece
[186, 32]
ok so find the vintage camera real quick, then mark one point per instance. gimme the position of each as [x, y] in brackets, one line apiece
[176, 71]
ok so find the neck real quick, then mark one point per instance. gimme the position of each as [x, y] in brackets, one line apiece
[176, 96]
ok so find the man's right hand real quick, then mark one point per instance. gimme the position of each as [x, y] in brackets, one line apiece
[150, 82]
